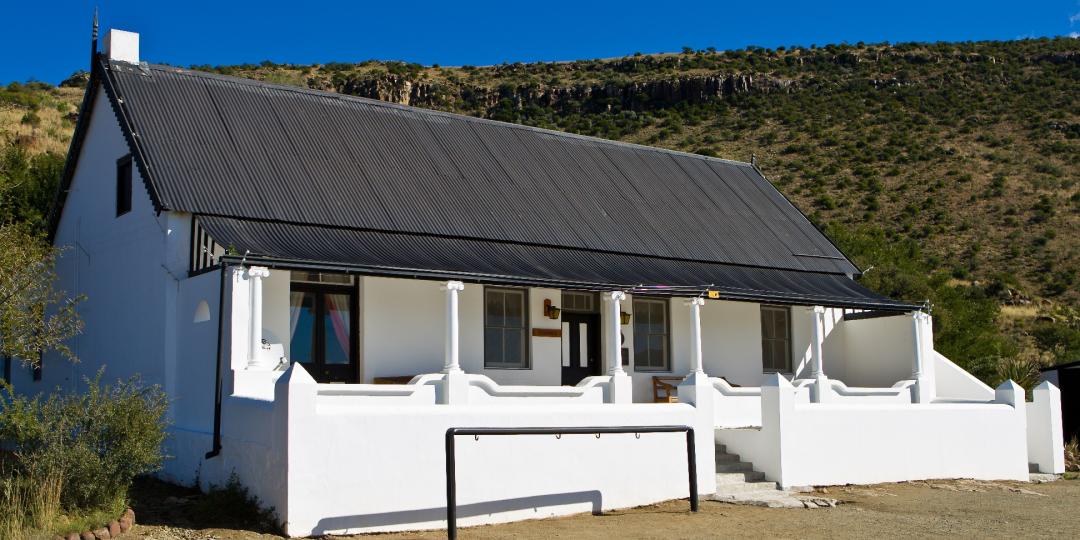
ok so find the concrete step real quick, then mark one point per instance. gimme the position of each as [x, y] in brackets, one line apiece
[769, 499]
[726, 458]
[739, 477]
[746, 487]
[734, 466]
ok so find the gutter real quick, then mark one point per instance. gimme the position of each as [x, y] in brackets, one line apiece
[216, 448]
[475, 277]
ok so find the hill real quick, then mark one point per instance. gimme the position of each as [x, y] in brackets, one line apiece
[951, 169]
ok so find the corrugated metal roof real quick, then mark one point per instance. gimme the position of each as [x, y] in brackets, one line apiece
[426, 256]
[238, 148]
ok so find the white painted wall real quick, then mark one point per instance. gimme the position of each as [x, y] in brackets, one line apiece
[953, 383]
[879, 351]
[1045, 440]
[404, 324]
[804, 444]
[117, 262]
[140, 304]
[393, 439]
[276, 308]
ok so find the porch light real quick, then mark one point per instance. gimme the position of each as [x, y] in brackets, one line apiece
[624, 318]
[551, 311]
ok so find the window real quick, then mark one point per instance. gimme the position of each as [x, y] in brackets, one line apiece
[776, 339]
[505, 324]
[579, 302]
[651, 334]
[123, 185]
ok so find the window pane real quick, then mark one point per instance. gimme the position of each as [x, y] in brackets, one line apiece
[493, 346]
[514, 309]
[302, 327]
[775, 338]
[494, 308]
[779, 325]
[657, 351]
[337, 329]
[512, 347]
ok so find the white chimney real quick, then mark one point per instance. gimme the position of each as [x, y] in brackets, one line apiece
[122, 46]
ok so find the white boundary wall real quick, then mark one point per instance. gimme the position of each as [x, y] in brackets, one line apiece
[857, 441]
[347, 459]
[1045, 440]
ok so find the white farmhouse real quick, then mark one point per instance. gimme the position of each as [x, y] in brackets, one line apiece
[324, 285]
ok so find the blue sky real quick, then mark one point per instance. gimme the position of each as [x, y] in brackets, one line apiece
[47, 41]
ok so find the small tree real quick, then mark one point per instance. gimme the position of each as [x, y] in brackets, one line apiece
[34, 316]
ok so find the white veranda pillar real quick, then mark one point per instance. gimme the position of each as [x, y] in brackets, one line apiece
[821, 382]
[255, 277]
[696, 366]
[924, 381]
[452, 363]
[615, 333]
[620, 388]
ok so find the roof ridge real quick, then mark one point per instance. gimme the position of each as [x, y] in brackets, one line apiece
[143, 67]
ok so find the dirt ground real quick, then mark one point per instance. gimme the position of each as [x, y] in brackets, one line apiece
[957, 508]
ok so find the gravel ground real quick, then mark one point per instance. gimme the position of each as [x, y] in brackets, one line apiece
[954, 508]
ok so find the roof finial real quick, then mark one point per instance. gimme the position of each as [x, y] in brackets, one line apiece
[94, 37]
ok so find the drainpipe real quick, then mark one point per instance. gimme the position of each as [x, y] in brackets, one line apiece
[216, 448]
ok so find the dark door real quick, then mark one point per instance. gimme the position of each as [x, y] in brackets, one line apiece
[581, 346]
[1069, 382]
[324, 329]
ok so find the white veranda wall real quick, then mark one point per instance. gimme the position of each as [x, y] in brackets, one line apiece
[863, 442]
[383, 468]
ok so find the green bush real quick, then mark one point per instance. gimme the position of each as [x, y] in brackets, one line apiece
[96, 441]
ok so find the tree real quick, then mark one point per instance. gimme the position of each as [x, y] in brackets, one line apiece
[34, 316]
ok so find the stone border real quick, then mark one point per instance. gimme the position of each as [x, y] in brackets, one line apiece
[111, 530]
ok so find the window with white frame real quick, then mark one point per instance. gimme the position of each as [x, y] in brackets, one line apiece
[776, 339]
[651, 334]
[505, 328]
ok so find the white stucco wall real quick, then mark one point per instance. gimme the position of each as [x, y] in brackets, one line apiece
[139, 303]
[276, 308]
[806, 444]
[117, 262]
[880, 351]
[396, 443]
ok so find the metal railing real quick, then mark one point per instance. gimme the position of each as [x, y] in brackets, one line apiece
[451, 464]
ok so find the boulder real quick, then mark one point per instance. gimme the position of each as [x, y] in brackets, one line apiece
[114, 528]
[102, 534]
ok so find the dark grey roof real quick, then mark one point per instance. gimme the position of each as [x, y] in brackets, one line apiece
[236, 147]
[426, 256]
[305, 160]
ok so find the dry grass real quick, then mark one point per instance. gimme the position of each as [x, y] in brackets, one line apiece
[29, 507]
[57, 116]
[1019, 312]
[1072, 455]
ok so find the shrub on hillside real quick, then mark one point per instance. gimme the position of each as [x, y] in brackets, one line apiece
[95, 441]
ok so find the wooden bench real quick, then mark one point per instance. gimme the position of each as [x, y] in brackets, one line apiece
[403, 379]
[663, 389]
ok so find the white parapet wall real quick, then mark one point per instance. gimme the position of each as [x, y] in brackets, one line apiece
[1045, 440]
[346, 459]
[855, 440]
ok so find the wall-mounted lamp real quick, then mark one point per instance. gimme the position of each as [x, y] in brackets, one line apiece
[551, 311]
[624, 318]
